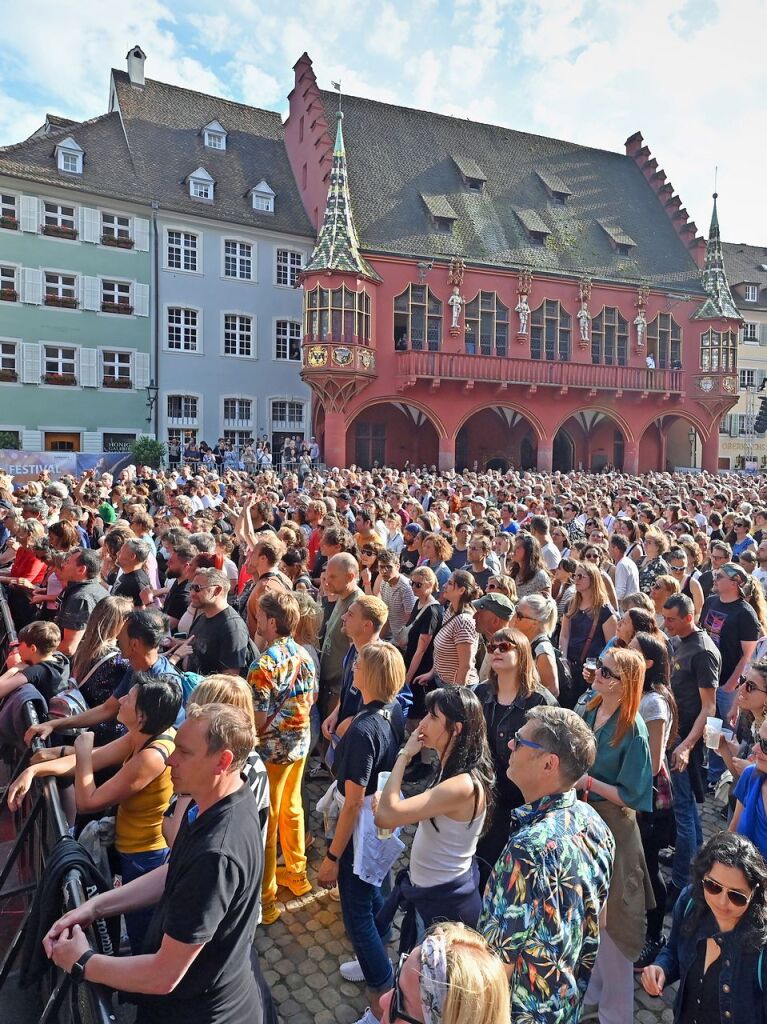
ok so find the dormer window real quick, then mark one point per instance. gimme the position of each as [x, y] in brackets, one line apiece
[214, 136]
[556, 189]
[620, 240]
[262, 198]
[751, 293]
[475, 184]
[69, 157]
[535, 226]
[443, 216]
[443, 225]
[201, 185]
[472, 174]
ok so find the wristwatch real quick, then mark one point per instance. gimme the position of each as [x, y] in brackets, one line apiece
[78, 967]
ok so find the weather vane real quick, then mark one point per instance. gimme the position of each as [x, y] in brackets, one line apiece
[337, 87]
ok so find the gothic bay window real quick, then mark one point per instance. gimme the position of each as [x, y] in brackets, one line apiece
[115, 231]
[238, 335]
[8, 290]
[609, 338]
[60, 364]
[182, 251]
[60, 290]
[116, 367]
[487, 325]
[182, 329]
[59, 220]
[289, 265]
[339, 315]
[417, 320]
[115, 297]
[238, 260]
[718, 350]
[664, 342]
[550, 332]
[9, 217]
[288, 340]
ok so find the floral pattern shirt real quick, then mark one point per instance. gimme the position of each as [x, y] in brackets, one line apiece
[542, 904]
[284, 683]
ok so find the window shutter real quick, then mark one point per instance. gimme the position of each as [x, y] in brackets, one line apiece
[141, 299]
[88, 367]
[32, 440]
[734, 425]
[140, 370]
[30, 215]
[762, 333]
[90, 292]
[90, 224]
[32, 285]
[140, 234]
[31, 363]
[92, 443]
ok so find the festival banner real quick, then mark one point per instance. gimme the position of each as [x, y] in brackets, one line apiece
[26, 466]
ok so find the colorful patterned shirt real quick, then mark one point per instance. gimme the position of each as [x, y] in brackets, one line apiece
[284, 667]
[542, 904]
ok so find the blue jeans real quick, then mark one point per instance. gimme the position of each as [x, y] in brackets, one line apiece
[689, 834]
[360, 902]
[134, 865]
[724, 702]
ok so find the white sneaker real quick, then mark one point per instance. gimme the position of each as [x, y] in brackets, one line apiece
[368, 1017]
[351, 971]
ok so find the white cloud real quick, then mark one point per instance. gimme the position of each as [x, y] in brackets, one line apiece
[390, 33]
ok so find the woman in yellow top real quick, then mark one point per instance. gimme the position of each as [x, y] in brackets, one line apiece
[141, 788]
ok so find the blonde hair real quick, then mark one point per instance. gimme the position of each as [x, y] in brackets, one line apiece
[505, 585]
[105, 622]
[383, 668]
[659, 539]
[223, 689]
[477, 986]
[373, 610]
[426, 574]
[310, 623]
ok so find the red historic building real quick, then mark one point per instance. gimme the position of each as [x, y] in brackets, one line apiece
[478, 295]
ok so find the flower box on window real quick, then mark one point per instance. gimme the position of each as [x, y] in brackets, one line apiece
[62, 301]
[9, 223]
[121, 383]
[8, 295]
[8, 376]
[116, 307]
[117, 243]
[59, 231]
[62, 379]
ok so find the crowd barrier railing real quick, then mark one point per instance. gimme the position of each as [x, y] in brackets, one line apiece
[40, 827]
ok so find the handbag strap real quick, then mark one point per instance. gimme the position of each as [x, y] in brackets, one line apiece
[589, 638]
[283, 700]
[99, 663]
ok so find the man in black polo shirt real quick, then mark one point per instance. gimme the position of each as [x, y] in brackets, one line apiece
[218, 638]
[82, 592]
[131, 558]
[198, 966]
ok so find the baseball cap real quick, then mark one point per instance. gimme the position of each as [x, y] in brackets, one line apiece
[498, 604]
[477, 499]
[107, 513]
[412, 528]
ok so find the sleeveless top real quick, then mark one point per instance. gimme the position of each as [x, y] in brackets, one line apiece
[441, 856]
[138, 828]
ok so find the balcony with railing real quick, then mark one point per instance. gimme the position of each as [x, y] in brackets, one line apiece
[503, 371]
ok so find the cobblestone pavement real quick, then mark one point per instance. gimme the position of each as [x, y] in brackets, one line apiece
[301, 952]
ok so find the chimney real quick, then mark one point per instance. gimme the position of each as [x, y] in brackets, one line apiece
[136, 58]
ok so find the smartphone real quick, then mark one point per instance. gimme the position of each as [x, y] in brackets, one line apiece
[180, 636]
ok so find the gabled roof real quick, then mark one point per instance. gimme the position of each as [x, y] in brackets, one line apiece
[746, 264]
[719, 302]
[264, 188]
[200, 174]
[439, 206]
[70, 144]
[214, 126]
[396, 155]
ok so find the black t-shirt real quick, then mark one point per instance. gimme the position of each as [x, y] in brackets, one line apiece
[695, 665]
[728, 623]
[218, 643]
[50, 676]
[457, 560]
[423, 622]
[706, 580]
[177, 599]
[502, 722]
[130, 585]
[369, 745]
[408, 560]
[77, 601]
[211, 895]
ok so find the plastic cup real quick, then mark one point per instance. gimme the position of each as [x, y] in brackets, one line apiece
[713, 732]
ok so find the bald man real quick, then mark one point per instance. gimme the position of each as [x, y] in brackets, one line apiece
[341, 575]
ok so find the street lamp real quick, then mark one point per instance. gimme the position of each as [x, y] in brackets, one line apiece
[692, 437]
[151, 399]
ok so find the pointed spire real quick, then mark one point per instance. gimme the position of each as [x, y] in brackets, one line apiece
[719, 304]
[338, 246]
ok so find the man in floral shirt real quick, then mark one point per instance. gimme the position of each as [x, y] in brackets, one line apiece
[284, 689]
[543, 900]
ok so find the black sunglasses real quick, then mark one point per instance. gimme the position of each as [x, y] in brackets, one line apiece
[749, 686]
[397, 1010]
[607, 672]
[737, 898]
[502, 646]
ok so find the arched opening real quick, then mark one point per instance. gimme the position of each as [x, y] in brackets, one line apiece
[590, 440]
[496, 437]
[391, 434]
[684, 445]
[651, 454]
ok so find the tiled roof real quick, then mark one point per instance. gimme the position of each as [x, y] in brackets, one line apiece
[746, 264]
[396, 155]
[469, 168]
[439, 206]
[552, 181]
[616, 234]
[533, 222]
[719, 301]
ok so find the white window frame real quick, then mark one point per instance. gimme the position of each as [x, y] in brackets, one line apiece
[199, 189]
[113, 230]
[197, 236]
[195, 421]
[60, 274]
[71, 163]
[253, 349]
[215, 140]
[15, 284]
[234, 240]
[44, 345]
[291, 271]
[275, 326]
[104, 370]
[15, 343]
[119, 283]
[60, 219]
[238, 422]
[751, 293]
[197, 350]
[750, 332]
[747, 378]
[5, 207]
[287, 425]
[263, 203]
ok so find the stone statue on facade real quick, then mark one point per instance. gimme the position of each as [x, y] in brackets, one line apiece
[456, 302]
[522, 308]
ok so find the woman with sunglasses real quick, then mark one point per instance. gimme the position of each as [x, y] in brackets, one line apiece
[681, 566]
[588, 624]
[528, 568]
[619, 786]
[370, 578]
[718, 937]
[506, 697]
[421, 628]
[442, 880]
[751, 707]
[502, 585]
[661, 589]
[455, 645]
[597, 555]
[653, 564]
[452, 977]
[536, 618]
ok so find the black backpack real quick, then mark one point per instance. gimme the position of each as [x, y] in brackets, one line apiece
[567, 695]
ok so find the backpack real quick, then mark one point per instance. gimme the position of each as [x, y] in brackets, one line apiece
[567, 695]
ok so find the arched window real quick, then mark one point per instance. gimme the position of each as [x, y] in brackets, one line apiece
[609, 338]
[664, 341]
[550, 332]
[487, 325]
[417, 320]
[719, 350]
[339, 315]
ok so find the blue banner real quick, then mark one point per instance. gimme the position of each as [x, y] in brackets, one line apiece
[26, 466]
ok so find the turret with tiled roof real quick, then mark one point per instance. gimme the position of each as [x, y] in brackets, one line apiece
[338, 247]
[719, 304]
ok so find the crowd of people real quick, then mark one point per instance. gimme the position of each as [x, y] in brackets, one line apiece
[540, 677]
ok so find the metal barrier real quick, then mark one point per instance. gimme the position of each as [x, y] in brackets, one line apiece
[42, 828]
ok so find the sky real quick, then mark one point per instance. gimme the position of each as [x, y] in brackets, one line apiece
[689, 74]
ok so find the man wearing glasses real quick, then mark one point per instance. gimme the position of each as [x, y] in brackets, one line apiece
[218, 640]
[720, 554]
[542, 903]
